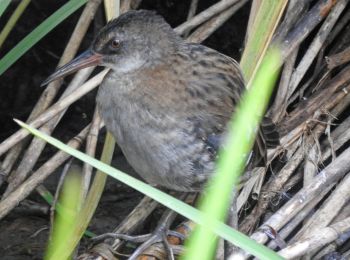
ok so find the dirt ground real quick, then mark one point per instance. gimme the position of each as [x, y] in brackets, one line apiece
[24, 232]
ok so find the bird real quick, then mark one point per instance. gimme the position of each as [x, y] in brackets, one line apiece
[166, 101]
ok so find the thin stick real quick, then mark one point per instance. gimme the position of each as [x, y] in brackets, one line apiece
[295, 10]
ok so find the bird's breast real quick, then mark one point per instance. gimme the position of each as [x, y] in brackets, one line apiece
[158, 140]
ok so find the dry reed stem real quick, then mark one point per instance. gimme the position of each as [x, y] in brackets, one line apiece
[39, 176]
[191, 12]
[53, 111]
[214, 23]
[339, 139]
[205, 15]
[300, 217]
[341, 240]
[295, 10]
[316, 240]
[50, 92]
[273, 187]
[252, 15]
[316, 45]
[91, 143]
[304, 27]
[126, 5]
[338, 59]
[328, 211]
[278, 109]
[37, 145]
[332, 173]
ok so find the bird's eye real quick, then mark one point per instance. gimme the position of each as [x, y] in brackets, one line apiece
[115, 44]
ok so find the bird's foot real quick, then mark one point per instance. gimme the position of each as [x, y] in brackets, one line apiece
[160, 235]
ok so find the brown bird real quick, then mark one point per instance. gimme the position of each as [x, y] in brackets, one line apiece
[166, 101]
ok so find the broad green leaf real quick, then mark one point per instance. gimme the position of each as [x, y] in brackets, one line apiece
[263, 26]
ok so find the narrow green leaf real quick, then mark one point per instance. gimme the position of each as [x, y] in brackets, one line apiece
[64, 222]
[182, 208]
[3, 5]
[233, 158]
[38, 33]
[13, 20]
[48, 197]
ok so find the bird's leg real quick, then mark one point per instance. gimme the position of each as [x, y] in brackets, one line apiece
[159, 235]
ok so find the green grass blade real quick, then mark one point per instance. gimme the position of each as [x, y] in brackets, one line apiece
[64, 222]
[48, 197]
[90, 204]
[3, 5]
[13, 20]
[182, 208]
[233, 158]
[39, 32]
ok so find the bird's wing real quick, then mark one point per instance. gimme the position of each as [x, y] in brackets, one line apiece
[218, 83]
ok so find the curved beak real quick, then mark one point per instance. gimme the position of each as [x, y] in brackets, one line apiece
[84, 60]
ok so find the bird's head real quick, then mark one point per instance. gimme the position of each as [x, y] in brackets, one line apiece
[125, 44]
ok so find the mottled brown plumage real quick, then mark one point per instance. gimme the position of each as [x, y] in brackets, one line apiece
[166, 101]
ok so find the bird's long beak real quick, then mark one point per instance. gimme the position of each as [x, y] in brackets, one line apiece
[84, 60]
